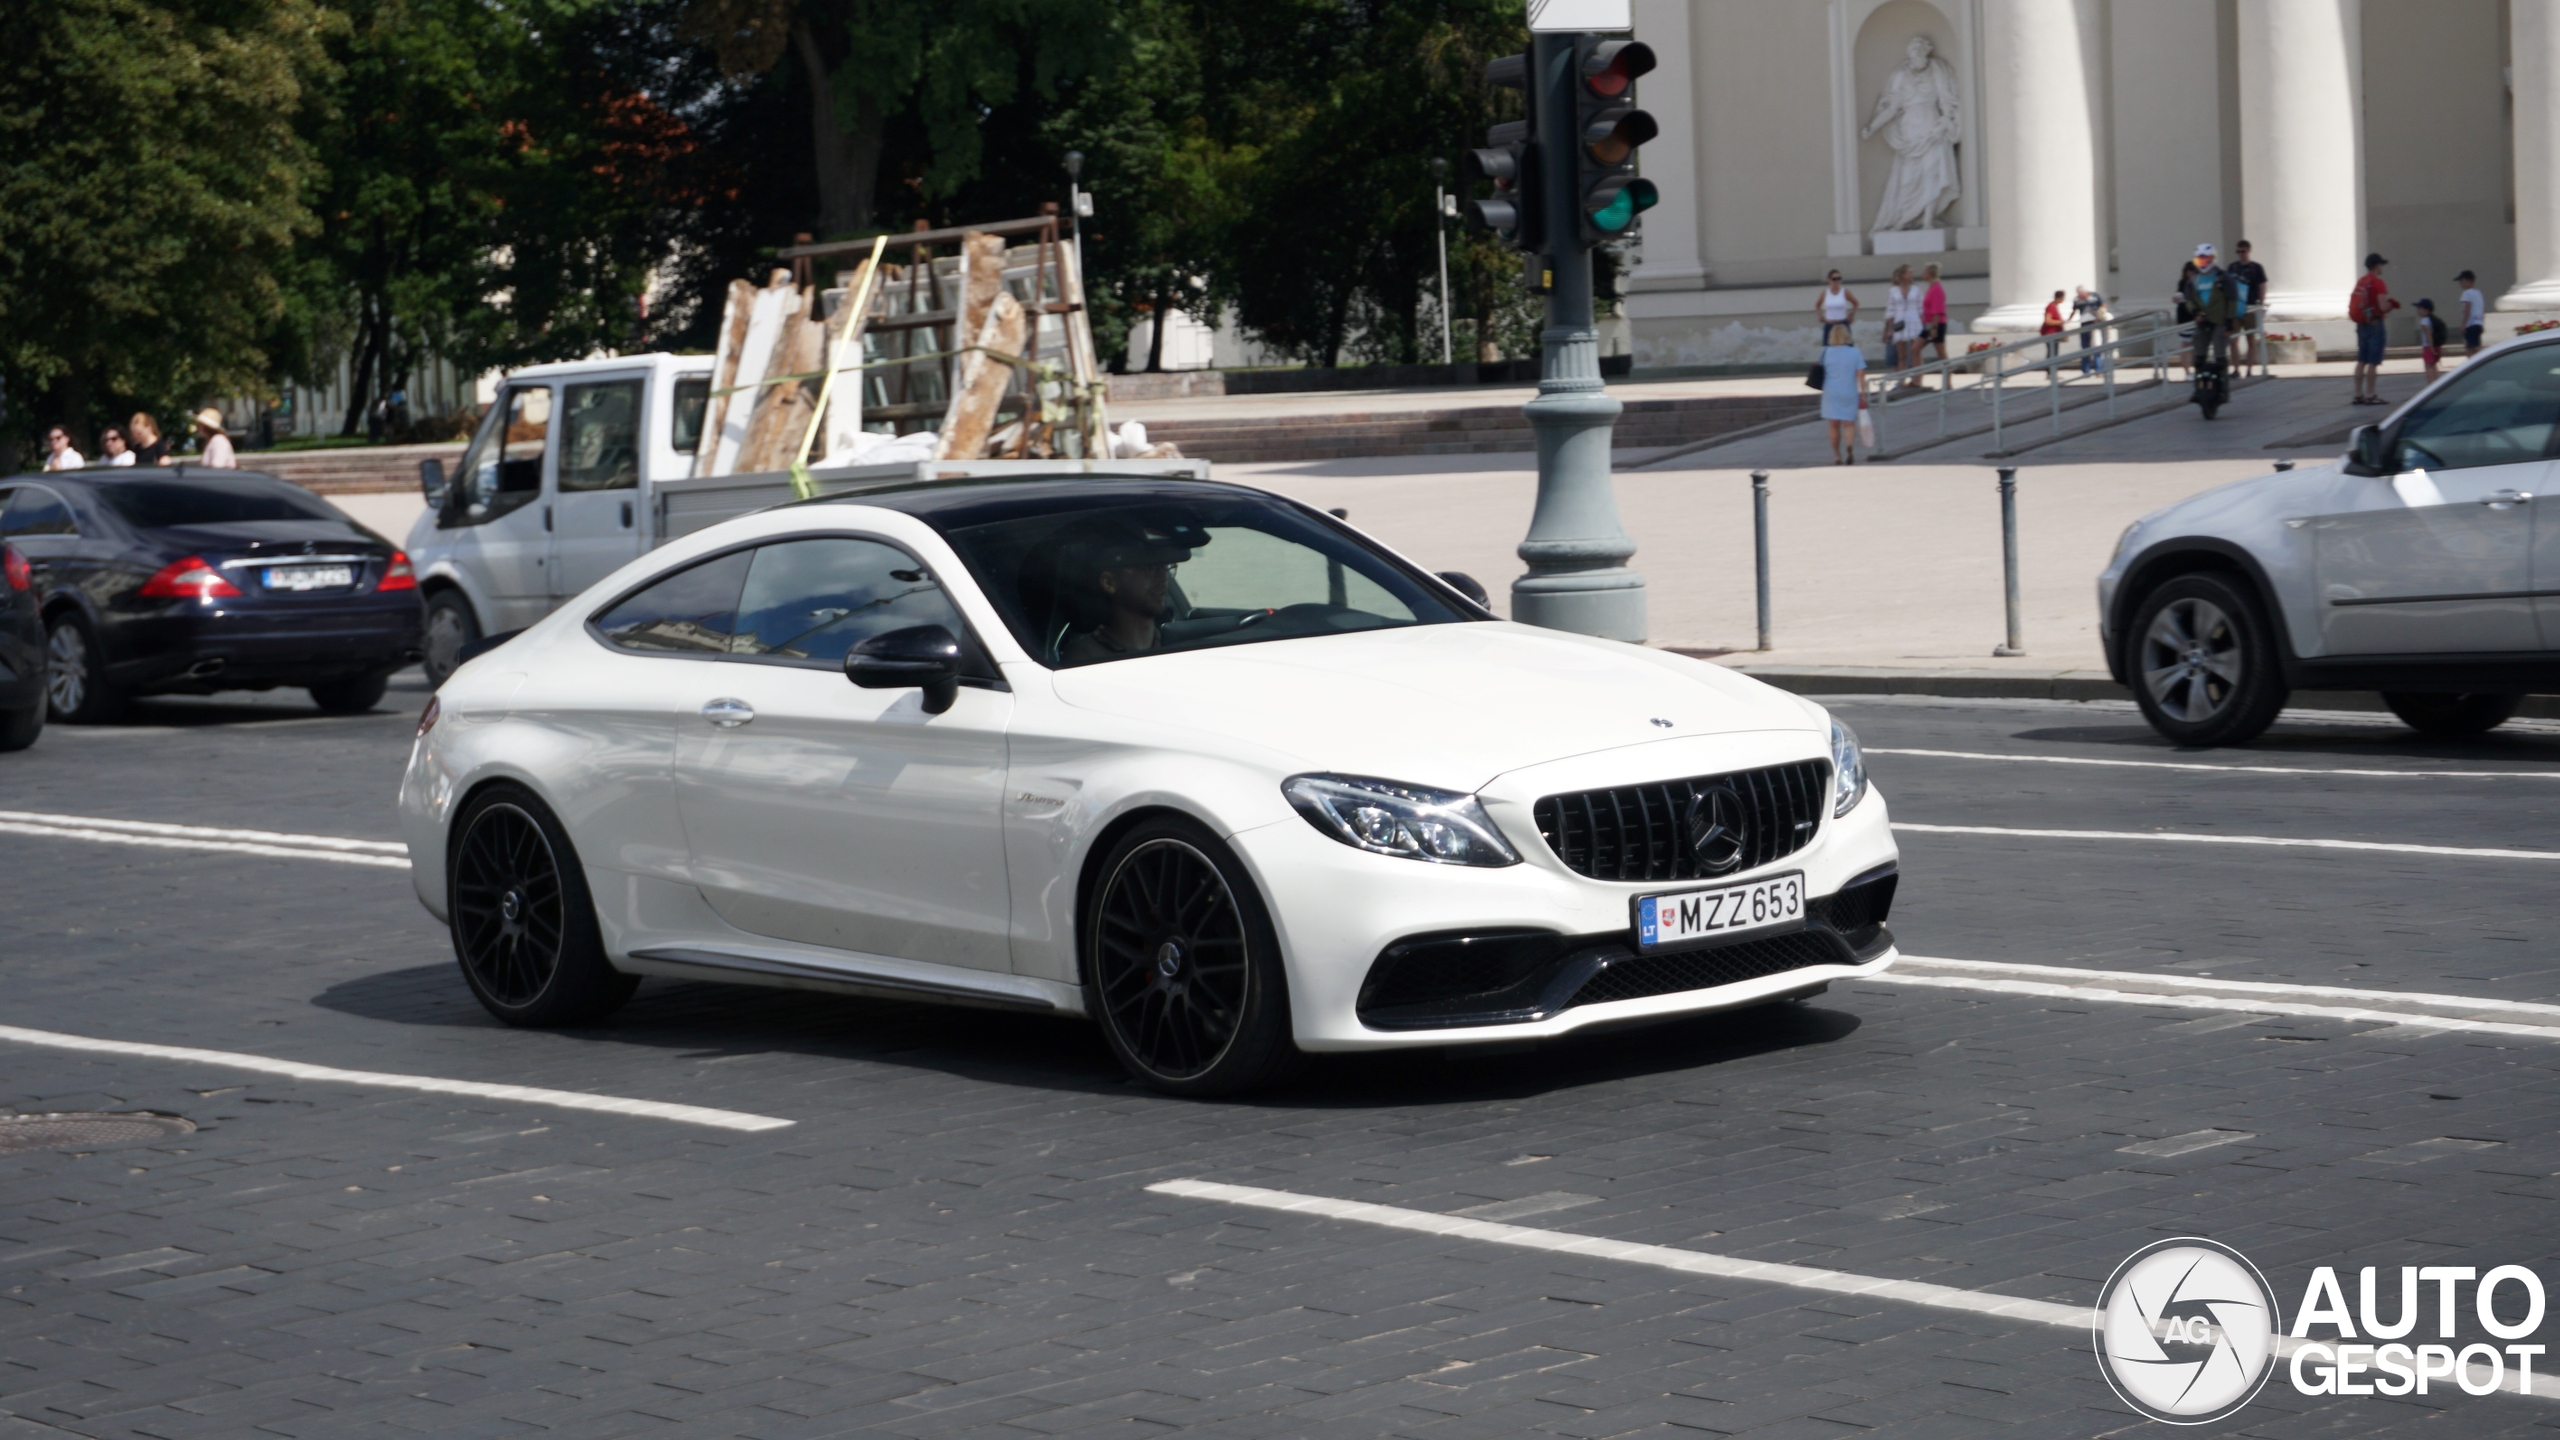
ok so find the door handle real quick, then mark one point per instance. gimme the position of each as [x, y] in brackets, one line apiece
[2504, 498]
[728, 713]
[626, 514]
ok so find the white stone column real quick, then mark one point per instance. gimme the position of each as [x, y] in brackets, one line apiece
[2301, 152]
[2039, 156]
[1674, 250]
[2536, 48]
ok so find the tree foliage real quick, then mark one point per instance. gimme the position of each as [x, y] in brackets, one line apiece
[152, 187]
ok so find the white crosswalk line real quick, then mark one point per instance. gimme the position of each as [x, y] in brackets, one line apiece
[385, 854]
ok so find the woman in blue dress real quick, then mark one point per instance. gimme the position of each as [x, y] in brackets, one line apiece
[1844, 392]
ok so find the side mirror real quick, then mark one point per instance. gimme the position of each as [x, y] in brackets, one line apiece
[920, 655]
[431, 481]
[2367, 454]
[1467, 585]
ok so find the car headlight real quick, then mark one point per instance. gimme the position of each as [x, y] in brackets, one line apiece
[1386, 818]
[1848, 770]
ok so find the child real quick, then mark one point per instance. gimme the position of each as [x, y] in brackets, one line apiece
[2431, 337]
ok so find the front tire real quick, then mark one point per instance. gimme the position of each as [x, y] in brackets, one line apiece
[19, 728]
[524, 926]
[2203, 662]
[76, 688]
[1182, 966]
[2453, 716]
[450, 626]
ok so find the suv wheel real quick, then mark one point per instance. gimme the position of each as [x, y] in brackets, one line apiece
[2203, 662]
[2453, 715]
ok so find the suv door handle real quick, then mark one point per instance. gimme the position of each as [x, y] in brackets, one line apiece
[2504, 498]
[728, 713]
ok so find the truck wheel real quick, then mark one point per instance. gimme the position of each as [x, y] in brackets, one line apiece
[450, 626]
[2203, 662]
[2448, 716]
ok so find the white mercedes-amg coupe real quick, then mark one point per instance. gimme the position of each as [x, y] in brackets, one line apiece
[1196, 761]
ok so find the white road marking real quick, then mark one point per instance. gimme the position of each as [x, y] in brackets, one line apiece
[2078, 1318]
[386, 854]
[378, 1080]
[2358, 719]
[2187, 1144]
[2232, 769]
[2106, 995]
[2187, 837]
[2254, 987]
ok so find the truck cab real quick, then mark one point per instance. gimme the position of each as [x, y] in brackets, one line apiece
[554, 493]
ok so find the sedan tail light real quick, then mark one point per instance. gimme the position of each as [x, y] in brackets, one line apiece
[21, 574]
[188, 579]
[397, 575]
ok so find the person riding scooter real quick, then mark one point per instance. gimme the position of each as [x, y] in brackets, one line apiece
[2220, 300]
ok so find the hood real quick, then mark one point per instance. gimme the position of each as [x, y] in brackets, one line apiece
[1450, 706]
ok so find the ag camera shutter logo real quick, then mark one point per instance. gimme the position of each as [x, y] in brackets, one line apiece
[2185, 1331]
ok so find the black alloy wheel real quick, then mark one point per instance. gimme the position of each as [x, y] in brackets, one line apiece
[1183, 966]
[2453, 716]
[76, 688]
[2203, 662]
[524, 927]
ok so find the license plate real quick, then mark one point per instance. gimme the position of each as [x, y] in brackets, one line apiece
[1687, 916]
[311, 577]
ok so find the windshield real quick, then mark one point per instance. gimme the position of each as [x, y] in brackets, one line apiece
[167, 504]
[1082, 579]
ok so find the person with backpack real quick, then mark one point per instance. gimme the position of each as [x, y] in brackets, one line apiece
[2369, 304]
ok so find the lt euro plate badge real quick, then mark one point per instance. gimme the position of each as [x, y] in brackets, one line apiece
[1686, 917]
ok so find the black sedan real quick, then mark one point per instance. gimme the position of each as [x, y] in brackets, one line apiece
[21, 652]
[190, 581]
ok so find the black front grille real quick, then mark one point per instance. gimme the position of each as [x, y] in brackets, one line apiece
[1637, 832]
[1643, 975]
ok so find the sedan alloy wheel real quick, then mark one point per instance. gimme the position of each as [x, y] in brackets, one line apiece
[507, 920]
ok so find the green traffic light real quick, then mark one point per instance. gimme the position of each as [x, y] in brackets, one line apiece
[1622, 208]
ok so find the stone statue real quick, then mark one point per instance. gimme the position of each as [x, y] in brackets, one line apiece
[1919, 104]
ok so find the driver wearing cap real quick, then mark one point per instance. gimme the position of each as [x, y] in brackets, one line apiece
[1133, 571]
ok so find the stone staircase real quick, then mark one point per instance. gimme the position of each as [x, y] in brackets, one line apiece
[355, 470]
[1458, 430]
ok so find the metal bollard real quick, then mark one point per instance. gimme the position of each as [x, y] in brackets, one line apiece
[1760, 546]
[2284, 465]
[2009, 558]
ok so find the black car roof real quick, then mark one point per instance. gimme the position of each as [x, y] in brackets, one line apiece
[944, 504]
[84, 475]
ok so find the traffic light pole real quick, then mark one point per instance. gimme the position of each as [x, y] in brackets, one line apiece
[1577, 548]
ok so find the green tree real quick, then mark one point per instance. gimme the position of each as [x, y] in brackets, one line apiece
[152, 185]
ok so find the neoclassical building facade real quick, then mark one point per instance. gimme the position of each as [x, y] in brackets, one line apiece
[2028, 146]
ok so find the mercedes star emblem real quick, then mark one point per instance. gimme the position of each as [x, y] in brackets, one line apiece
[1715, 829]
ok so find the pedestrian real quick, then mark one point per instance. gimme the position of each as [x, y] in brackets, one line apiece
[1902, 323]
[148, 447]
[1844, 391]
[2087, 308]
[2431, 337]
[2052, 326]
[2186, 313]
[1933, 317]
[114, 450]
[217, 445]
[2475, 312]
[1836, 305]
[2253, 275]
[2367, 305]
[58, 454]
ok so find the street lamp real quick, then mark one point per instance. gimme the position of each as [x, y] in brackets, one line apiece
[1443, 205]
[1079, 205]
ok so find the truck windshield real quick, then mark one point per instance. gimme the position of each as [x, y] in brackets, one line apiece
[1086, 579]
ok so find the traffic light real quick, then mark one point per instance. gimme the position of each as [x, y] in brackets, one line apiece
[1516, 209]
[1607, 129]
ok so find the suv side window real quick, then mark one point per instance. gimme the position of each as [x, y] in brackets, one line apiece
[2500, 411]
[692, 612]
[36, 510]
[807, 602]
[600, 437]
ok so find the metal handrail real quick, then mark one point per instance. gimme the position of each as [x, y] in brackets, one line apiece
[2142, 327]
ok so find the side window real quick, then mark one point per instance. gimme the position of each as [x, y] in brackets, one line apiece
[810, 601]
[692, 612]
[600, 436]
[692, 400]
[2496, 412]
[35, 510]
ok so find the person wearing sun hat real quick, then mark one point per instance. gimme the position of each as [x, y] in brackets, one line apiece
[217, 445]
